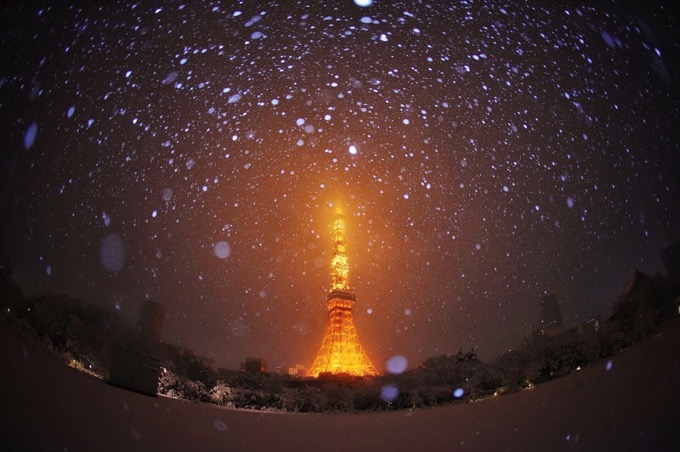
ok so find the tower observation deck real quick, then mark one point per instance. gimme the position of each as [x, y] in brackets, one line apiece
[341, 352]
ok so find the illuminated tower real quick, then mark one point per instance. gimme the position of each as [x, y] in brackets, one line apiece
[341, 352]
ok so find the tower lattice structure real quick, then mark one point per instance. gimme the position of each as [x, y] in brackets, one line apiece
[341, 352]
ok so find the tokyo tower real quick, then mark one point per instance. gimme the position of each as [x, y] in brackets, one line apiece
[341, 352]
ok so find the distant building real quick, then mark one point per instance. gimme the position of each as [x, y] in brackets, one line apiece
[636, 279]
[149, 325]
[590, 328]
[254, 365]
[136, 368]
[133, 370]
[585, 330]
[298, 371]
[551, 316]
[645, 302]
[671, 258]
[12, 299]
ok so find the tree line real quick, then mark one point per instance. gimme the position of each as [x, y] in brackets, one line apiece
[84, 335]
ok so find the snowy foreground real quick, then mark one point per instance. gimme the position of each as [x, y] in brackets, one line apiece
[630, 403]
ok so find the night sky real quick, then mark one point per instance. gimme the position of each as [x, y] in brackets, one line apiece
[195, 153]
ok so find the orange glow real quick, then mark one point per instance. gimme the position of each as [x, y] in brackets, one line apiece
[341, 352]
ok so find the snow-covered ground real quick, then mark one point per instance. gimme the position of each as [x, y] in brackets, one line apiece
[630, 403]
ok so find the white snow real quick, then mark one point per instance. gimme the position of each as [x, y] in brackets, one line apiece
[29, 136]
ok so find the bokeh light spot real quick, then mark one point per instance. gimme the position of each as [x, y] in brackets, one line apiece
[222, 250]
[396, 364]
[389, 393]
[112, 253]
[220, 425]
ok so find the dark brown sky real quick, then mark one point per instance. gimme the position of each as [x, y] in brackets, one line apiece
[195, 154]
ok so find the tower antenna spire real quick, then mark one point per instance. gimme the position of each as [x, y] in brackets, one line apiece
[339, 262]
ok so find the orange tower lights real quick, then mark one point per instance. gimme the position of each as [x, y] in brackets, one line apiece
[341, 352]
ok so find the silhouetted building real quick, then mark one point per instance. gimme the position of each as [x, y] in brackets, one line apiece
[551, 316]
[136, 368]
[150, 323]
[298, 371]
[585, 330]
[131, 369]
[636, 279]
[671, 258]
[590, 328]
[12, 299]
[254, 365]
